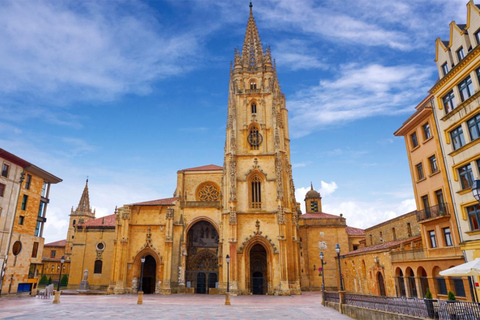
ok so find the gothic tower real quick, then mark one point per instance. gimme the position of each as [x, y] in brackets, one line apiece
[82, 214]
[260, 219]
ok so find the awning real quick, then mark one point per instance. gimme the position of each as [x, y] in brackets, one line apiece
[471, 268]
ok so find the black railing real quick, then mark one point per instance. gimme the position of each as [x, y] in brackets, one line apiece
[439, 210]
[332, 296]
[413, 307]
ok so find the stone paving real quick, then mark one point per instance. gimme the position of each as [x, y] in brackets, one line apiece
[177, 306]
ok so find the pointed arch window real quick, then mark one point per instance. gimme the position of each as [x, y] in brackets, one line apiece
[98, 266]
[254, 138]
[256, 192]
[254, 107]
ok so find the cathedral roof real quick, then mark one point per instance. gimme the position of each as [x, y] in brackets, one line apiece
[352, 231]
[59, 243]
[381, 246]
[312, 193]
[159, 202]
[208, 167]
[107, 221]
[321, 215]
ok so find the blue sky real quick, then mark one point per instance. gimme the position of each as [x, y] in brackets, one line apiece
[129, 92]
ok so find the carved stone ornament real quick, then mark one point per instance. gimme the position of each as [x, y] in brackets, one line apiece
[233, 216]
[281, 215]
[208, 192]
[257, 233]
[233, 179]
[125, 213]
[255, 167]
[170, 213]
[278, 175]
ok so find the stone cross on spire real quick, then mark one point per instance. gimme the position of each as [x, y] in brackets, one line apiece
[84, 204]
[252, 52]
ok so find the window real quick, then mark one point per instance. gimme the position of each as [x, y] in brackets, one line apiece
[314, 206]
[17, 248]
[2, 189]
[413, 137]
[256, 193]
[394, 234]
[409, 229]
[381, 236]
[477, 37]
[474, 127]
[466, 88]
[254, 138]
[449, 102]
[420, 171]
[460, 54]
[254, 108]
[5, 169]
[44, 189]
[426, 205]
[20, 220]
[53, 253]
[24, 202]
[440, 201]
[433, 164]
[474, 216]
[371, 239]
[35, 250]
[442, 285]
[98, 266]
[459, 288]
[466, 176]
[433, 240]
[445, 68]
[426, 131]
[28, 181]
[253, 85]
[74, 222]
[448, 237]
[457, 137]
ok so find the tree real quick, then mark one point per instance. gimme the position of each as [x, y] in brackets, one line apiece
[43, 280]
[451, 296]
[64, 281]
[428, 295]
[49, 280]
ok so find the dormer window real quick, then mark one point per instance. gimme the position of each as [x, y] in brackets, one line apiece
[460, 54]
[445, 68]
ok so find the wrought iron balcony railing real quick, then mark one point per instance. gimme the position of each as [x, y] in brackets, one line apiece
[440, 210]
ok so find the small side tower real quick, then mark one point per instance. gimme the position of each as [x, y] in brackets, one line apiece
[82, 214]
[313, 201]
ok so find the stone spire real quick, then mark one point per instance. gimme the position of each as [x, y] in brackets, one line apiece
[83, 207]
[252, 52]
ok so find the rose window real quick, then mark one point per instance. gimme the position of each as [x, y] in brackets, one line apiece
[208, 192]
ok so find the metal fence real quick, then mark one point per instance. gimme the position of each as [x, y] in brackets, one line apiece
[434, 309]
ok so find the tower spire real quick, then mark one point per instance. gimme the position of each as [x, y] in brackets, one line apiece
[84, 203]
[251, 10]
[252, 52]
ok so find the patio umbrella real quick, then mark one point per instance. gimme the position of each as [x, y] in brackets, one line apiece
[471, 268]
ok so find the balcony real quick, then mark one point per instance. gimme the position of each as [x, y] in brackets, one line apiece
[250, 91]
[438, 211]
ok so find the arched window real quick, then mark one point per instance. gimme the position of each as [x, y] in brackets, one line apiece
[253, 85]
[254, 138]
[98, 266]
[256, 193]
[254, 107]
[74, 222]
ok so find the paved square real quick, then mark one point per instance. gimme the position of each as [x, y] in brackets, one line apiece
[178, 306]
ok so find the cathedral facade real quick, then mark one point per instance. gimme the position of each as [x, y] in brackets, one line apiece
[244, 210]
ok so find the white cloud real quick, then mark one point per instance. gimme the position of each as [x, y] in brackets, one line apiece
[296, 55]
[326, 189]
[358, 92]
[87, 50]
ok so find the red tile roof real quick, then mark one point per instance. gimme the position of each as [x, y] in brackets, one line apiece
[159, 202]
[321, 215]
[107, 221]
[352, 231]
[381, 246]
[59, 243]
[209, 167]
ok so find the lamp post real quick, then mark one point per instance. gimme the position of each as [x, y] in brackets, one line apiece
[56, 294]
[323, 278]
[227, 295]
[337, 250]
[140, 291]
[476, 190]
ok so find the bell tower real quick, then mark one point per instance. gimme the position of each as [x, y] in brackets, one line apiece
[258, 191]
[82, 214]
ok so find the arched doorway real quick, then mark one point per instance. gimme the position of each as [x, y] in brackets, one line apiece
[412, 287]
[381, 284]
[202, 261]
[400, 283]
[258, 269]
[423, 281]
[149, 274]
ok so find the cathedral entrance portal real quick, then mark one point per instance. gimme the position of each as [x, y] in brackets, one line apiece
[149, 271]
[202, 261]
[258, 269]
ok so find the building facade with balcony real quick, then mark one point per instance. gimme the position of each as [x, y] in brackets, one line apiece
[457, 113]
[25, 240]
[438, 226]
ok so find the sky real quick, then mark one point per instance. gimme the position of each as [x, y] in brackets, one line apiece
[128, 92]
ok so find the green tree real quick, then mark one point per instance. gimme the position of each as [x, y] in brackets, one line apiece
[428, 295]
[64, 281]
[451, 296]
[49, 280]
[43, 280]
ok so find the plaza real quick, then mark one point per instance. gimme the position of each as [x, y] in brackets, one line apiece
[179, 306]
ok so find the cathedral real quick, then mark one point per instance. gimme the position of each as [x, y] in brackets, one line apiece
[245, 210]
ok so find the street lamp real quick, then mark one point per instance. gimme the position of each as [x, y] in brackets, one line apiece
[227, 296]
[323, 278]
[140, 291]
[476, 190]
[337, 250]
[62, 261]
